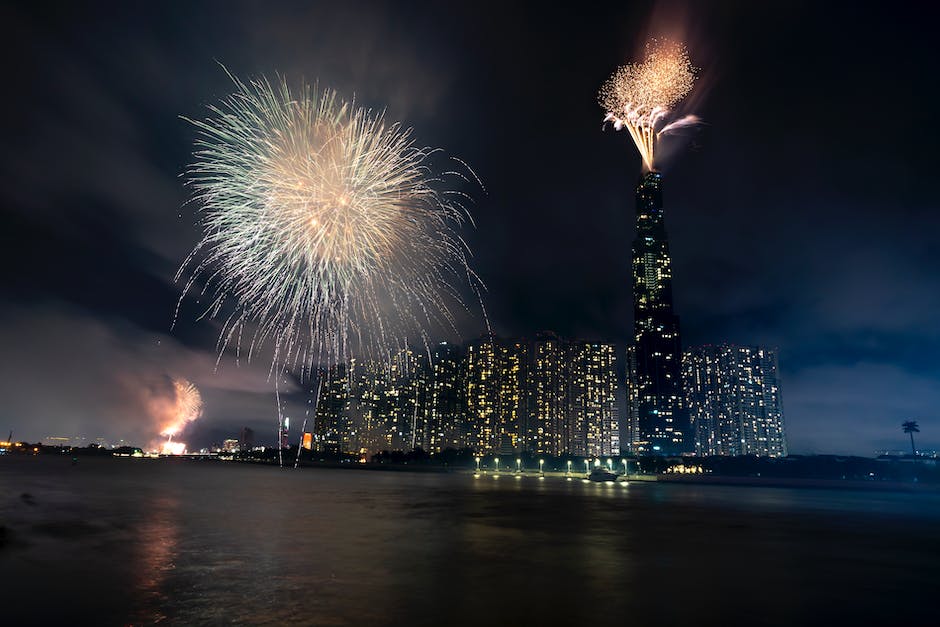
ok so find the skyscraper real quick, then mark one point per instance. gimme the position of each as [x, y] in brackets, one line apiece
[332, 431]
[446, 416]
[368, 387]
[733, 395]
[592, 427]
[246, 439]
[401, 391]
[513, 369]
[412, 382]
[547, 395]
[283, 437]
[658, 421]
[494, 391]
[482, 394]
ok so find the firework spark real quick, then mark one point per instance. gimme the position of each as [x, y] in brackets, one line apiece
[326, 230]
[640, 96]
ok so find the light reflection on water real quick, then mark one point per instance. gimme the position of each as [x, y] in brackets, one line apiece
[185, 542]
[157, 547]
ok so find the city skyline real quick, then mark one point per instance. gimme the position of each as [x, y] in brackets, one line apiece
[544, 396]
[826, 254]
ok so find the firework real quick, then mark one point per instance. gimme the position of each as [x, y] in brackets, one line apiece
[186, 408]
[176, 413]
[327, 231]
[639, 97]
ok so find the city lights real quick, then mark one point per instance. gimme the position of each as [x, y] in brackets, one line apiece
[475, 396]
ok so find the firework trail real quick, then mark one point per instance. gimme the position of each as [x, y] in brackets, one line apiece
[640, 96]
[327, 230]
[185, 408]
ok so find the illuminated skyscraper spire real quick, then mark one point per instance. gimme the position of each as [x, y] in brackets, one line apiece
[658, 422]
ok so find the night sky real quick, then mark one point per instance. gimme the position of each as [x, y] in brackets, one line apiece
[802, 214]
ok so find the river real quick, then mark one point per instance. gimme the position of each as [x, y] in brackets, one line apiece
[119, 541]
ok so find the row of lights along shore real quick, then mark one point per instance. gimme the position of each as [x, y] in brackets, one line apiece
[520, 470]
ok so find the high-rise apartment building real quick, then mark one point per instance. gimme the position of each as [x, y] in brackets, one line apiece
[547, 399]
[592, 424]
[333, 430]
[368, 381]
[494, 392]
[389, 403]
[409, 394]
[447, 424]
[570, 398]
[733, 396]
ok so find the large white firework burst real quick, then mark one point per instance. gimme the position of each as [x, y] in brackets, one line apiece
[327, 231]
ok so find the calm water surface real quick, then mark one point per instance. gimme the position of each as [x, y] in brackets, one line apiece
[119, 541]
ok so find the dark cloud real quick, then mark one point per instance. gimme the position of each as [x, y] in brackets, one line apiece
[802, 214]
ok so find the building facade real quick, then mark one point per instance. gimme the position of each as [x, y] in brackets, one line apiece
[548, 396]
[333, 430]
[592, 426]
[494, 393]
[447, 421]
[389, 404]
[734, 399]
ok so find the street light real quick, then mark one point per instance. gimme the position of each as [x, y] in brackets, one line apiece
[587, 466]
[478, 464]
[496, 461]
[624, 462]
[541, 463]
[610, 464]
[518, 464]
[568, 474]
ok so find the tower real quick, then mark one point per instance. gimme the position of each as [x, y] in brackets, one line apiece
[659, 424]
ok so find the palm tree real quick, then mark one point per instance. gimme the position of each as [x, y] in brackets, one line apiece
[910, 427]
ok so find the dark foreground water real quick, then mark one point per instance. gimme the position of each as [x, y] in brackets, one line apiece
[119, 541]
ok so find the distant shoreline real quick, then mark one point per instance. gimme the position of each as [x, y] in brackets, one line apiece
[704, 479]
